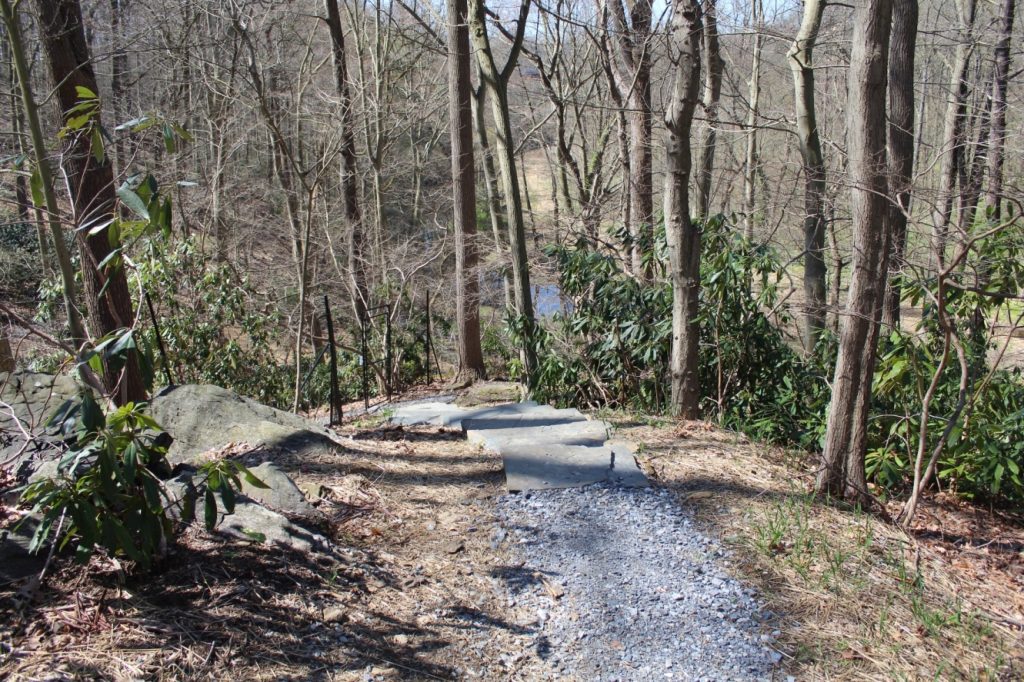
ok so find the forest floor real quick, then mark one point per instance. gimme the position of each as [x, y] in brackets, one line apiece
[416, 591]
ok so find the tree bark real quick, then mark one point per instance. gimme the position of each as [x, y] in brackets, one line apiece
[842, 465]
[633, 74]
[801, 63]
[91, 182]
[953, 134]
[495, 206]
[751, 161]
[997, 135]
[359, 289]
[467, 285]
[901, 145]
[682, 235]
[713, 67]
[496, 82]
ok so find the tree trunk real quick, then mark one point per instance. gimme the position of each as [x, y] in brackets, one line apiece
[496, 82]
[118, 73]
[997, 136]
[953, 134]
[801, 63]
[842, 466]
[682, 235]
[901, 145]
[750, 162]
[713, 67]
[633, 75]
[91, 182]
[467, 285]
[495, 206]
[349, 180]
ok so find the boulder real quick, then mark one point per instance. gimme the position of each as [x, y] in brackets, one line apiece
[33, 397]
[205, 418]
[282, 495]
[15, 561]
[255, 523]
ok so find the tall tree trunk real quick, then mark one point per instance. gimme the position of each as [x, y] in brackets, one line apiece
[91, 181]
[1000, 84]
[952, 148]
[682, 235]
[496, 82]
[460, 108]
[633, 80]
[751, 160]
[118, 73]
[495, 206]
[349, 180]
[901, 145]
[713, 67]
[801, 63]
[842, 465]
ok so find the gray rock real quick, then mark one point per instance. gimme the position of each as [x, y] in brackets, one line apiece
[33, 398]
[204, 418]
[255, 523]
[15, 561]
[282, 495]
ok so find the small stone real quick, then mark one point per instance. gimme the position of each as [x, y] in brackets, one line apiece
[334, 614]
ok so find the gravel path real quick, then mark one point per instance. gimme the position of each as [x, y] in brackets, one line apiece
[622, 586]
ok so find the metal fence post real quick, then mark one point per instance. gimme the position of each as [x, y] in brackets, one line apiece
[388, 374]
[363, 321]
[159, 339]
[335, 392]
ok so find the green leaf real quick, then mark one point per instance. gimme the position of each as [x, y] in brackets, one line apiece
[98, 148]
[85, 93]
[168, 138]
[92, 415]
[251, 479]
[227, 495]
[210, 510]
[133, 201]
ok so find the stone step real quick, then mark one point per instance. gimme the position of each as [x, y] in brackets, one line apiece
[568, 466]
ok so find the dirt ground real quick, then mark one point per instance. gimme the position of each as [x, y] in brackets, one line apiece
[416, 589]
[411, 595]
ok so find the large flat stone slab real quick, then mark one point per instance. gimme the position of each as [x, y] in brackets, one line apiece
[542, 446]
[568, 466]
[496, 416]
[499, 434]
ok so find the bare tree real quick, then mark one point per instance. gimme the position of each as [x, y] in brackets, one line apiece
[632, 40]
[359, 289]
[902, 50]
[1000, 85]
[713, 68]
[750, 163]
[467, 284]
[953, 136]
[801, 63]
[496, 82]
[842, 465]
[682, 235]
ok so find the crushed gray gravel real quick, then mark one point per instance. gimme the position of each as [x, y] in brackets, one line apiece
[619, 584]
